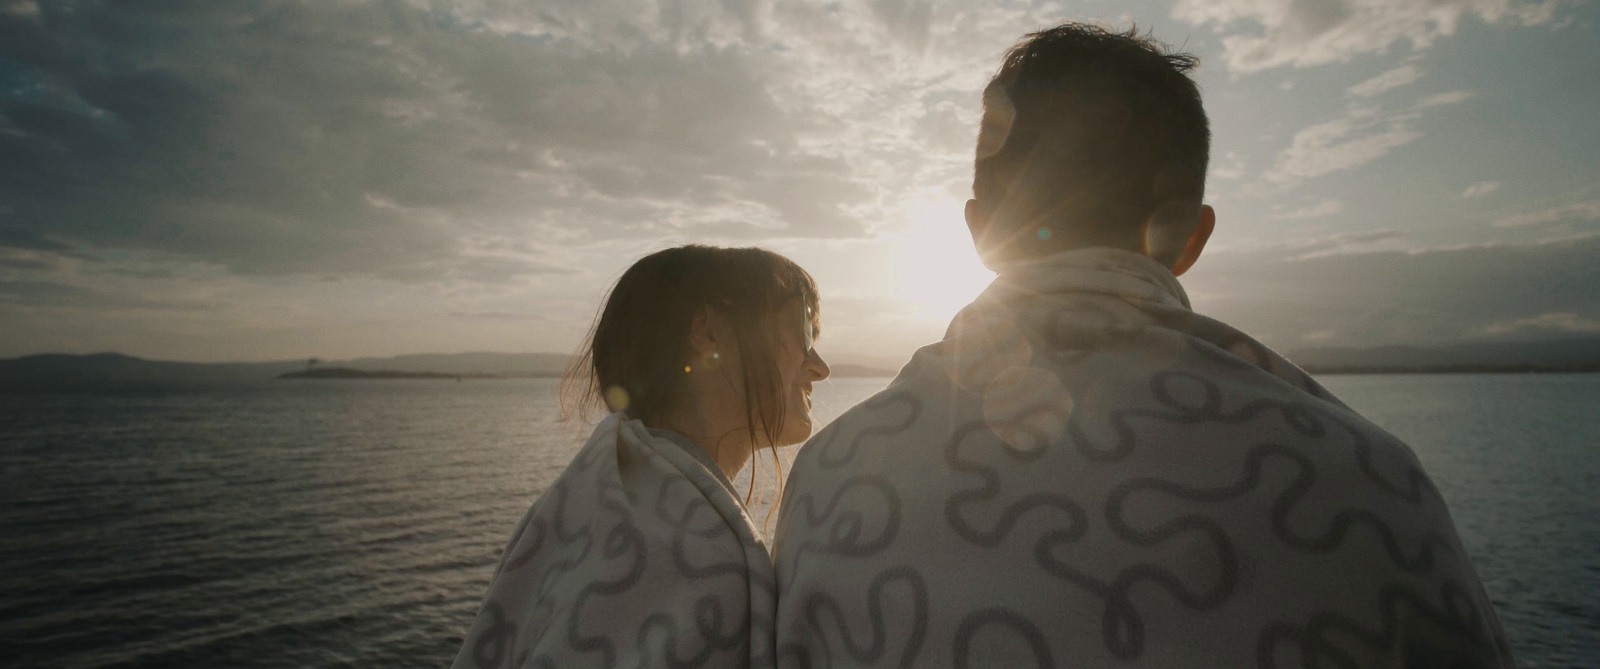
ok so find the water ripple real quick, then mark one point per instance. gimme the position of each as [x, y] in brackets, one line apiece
[337, 524]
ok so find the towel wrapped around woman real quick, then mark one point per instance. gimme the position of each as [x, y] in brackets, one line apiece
[641, 554]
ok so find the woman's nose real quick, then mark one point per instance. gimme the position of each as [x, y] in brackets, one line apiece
[816, 366]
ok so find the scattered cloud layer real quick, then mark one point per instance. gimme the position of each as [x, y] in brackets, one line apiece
[1264, 34]
[1581, 211]
[1362, 134]
[1558, 322]
[403, 141]
[1404, 75]
[1358, 297]
[1480, 189]
[284, 178]
[1321, 209]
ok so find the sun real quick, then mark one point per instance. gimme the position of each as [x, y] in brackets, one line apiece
[936, 270]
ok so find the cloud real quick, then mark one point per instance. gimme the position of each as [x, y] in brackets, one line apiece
[1230, 168]
[1264, 34]
[327, 170]
[1321, 209]
[1305, 248]
[1363, 134]
[385, 140]
[24, 9]
[498, 315]
[1449, 98]
[1418, 296]
[1404, 75]
[28, 259]
[1582, 211]
[1557, 322]
[907, 20]
[55, 294]
[1340, 144]
[382, 139]
[1480, 189]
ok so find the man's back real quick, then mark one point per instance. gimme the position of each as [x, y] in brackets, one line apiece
[1085, 473]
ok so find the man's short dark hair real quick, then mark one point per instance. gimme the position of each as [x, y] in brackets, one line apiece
[1087, 135]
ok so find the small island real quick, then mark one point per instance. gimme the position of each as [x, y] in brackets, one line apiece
[348, 373]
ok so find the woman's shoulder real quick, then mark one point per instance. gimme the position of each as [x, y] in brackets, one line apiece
[626, 541]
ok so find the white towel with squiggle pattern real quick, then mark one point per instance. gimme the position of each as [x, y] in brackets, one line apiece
[637, 556]
[1085, 473]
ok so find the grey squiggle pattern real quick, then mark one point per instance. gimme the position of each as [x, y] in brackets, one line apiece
[879, 521]
[1018, 624]
[1085, 472]
[638, 556]
[822, 608]
[882, 403]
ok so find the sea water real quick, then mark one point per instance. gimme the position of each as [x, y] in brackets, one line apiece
[356, 523]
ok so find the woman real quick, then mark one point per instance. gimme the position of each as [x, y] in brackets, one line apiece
[641, 553]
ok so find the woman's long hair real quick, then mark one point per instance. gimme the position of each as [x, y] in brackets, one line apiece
[634, 357]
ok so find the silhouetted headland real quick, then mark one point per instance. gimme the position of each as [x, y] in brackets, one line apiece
[1555, 356]
[348, 373]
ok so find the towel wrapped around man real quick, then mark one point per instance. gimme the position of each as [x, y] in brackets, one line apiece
[1085, 472]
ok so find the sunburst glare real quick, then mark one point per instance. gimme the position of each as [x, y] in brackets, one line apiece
[936, 270]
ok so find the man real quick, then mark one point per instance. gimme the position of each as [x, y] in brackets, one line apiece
[1085, 472]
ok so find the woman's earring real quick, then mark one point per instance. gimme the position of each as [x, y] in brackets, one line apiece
[716, 356]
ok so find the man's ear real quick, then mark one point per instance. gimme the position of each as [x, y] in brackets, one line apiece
[1197, 240]
[975, 222]
[978, 225]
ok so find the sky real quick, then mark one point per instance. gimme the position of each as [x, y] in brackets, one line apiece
[211, 181]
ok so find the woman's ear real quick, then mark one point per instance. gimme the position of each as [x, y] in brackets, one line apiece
[712, 338]
[702, 334]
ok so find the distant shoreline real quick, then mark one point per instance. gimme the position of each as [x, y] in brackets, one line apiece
[335, 373]
[326, 373]
[118, 372]
[348, 373]
[1452, 369]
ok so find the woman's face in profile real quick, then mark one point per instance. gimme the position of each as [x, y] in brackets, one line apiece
[799, 365]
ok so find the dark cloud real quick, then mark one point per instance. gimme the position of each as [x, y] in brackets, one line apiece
[27, 260]
[52, 294]
[498, 315]
[385, 140]
[1430, 296]
[906, 20]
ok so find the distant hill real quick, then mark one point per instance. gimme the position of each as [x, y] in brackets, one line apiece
[847, 370]
[498, 364]
[117, 372]
[348, 373]
[1577, 355]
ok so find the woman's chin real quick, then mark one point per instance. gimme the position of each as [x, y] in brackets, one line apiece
[798, 433]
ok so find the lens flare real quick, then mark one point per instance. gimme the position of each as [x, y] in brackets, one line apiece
[617, 398]
[936, 269]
